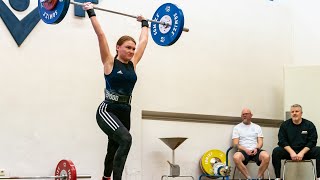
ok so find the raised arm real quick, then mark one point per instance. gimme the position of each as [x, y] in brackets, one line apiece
[143, 41]
[105, 54]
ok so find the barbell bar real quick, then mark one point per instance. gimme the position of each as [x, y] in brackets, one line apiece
[166, 27]
[128, 15]
[65, 170]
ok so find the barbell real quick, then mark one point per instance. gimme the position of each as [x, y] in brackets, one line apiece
[65, 170]
[167, 22]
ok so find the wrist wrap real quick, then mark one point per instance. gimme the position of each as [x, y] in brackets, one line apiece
[91, 13]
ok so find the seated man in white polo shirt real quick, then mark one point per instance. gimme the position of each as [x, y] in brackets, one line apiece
[248, 137]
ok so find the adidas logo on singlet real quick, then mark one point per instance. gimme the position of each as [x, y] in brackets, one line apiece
[119, 72]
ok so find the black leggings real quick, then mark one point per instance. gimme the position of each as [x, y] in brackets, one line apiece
[280, 153]
[120, 140]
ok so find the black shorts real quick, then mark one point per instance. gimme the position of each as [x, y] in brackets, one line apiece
[254, 158]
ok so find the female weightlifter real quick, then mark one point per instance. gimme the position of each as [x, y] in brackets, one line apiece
[113, 114]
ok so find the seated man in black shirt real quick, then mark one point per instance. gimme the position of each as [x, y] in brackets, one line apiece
[297, 141]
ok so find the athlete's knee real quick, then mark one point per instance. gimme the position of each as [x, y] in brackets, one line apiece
[127, 139]
[316, 152]
[123, 136]
[238, 157]
[264, 157]
[277, 151]
[316, 149]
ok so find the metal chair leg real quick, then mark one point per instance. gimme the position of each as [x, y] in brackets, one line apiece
[234, 172]
[313, 168]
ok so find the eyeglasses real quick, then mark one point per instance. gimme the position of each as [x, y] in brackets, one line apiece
[243, 114]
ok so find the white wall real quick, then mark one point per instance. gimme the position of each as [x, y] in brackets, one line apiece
[51, 85]
[306, 38]
[232, 57]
